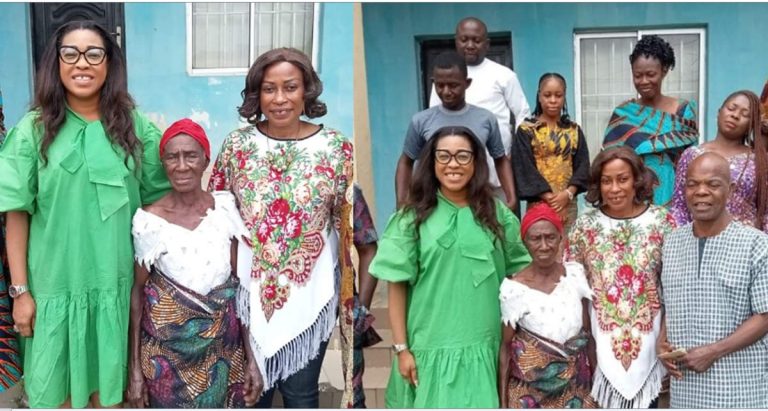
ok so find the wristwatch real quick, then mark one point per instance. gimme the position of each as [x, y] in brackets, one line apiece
[398, 348]
[570, 194]
[17, 290]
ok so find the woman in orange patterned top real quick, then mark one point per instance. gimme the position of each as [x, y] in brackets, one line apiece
[551, 159]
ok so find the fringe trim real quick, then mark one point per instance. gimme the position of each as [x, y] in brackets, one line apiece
[295, 355]
[608, 397]
[243, 304]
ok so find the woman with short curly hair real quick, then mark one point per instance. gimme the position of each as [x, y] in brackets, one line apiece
[619, 244]
[658, 127]
[292, 180]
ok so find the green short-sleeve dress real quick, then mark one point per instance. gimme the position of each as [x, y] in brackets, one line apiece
[80, 252]
[454, 270]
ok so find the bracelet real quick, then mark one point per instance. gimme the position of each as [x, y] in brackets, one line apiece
[398, 348]
[570, 194]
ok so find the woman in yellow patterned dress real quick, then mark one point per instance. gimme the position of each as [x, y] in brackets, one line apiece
[550, 158]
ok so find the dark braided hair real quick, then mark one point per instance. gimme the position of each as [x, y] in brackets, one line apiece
[565, 118]
[764, 109]
[655, 47]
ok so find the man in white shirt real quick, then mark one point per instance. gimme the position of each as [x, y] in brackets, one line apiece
[494, 87]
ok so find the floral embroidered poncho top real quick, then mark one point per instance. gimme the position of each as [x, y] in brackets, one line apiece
[622, 258]
[291, 195]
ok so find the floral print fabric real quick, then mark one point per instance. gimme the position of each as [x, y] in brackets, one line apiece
[742, 204]
[288, 191]
[623, 260]
[295, 198]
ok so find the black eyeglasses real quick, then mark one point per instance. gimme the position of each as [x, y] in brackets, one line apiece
[463, 157]
[93, 55]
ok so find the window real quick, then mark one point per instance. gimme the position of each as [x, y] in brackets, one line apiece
[604, 75]
[225, 38]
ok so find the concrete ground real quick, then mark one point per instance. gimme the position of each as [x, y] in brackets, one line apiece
[12, 398]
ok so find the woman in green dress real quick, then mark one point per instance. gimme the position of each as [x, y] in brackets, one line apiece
[75, 169]
[445, 255]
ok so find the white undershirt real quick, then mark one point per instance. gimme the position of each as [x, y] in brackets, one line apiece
[557, 315]
[197, 259]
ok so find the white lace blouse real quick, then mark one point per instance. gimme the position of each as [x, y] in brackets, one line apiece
[558, 315]
[197, 259]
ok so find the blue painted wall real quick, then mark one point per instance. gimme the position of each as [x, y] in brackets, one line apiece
[155, 38]
[15, 61]
[156, 47]
[542, 40]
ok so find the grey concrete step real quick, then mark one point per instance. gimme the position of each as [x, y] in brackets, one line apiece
[382, 318]
[12, 397]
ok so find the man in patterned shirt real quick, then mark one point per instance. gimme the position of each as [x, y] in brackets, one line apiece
[715, 292]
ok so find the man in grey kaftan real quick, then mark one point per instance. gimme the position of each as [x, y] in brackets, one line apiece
[715, 293]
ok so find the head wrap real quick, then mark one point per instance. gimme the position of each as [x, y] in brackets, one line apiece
[541, 211]
[190, 128]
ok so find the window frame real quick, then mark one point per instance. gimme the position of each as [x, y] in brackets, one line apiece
[241, 71]
[702, 33]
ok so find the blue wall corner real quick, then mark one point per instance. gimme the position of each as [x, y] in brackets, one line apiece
[15, 61]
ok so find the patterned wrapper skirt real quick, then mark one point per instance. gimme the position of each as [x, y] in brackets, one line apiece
[10, 361]
[191, 348]
[545, 374]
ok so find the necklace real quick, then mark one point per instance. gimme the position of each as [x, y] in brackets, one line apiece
[282, 161]
[620, 230]
[636, 211]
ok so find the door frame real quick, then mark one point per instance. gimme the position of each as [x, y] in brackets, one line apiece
[42, 26]
[500, 48]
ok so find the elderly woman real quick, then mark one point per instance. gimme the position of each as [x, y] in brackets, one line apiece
[445, 254]
[656, 126]
[740, 141]
[619, 243]
[74, 170]
[546, 350]
[293, 183]
[186, 348]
